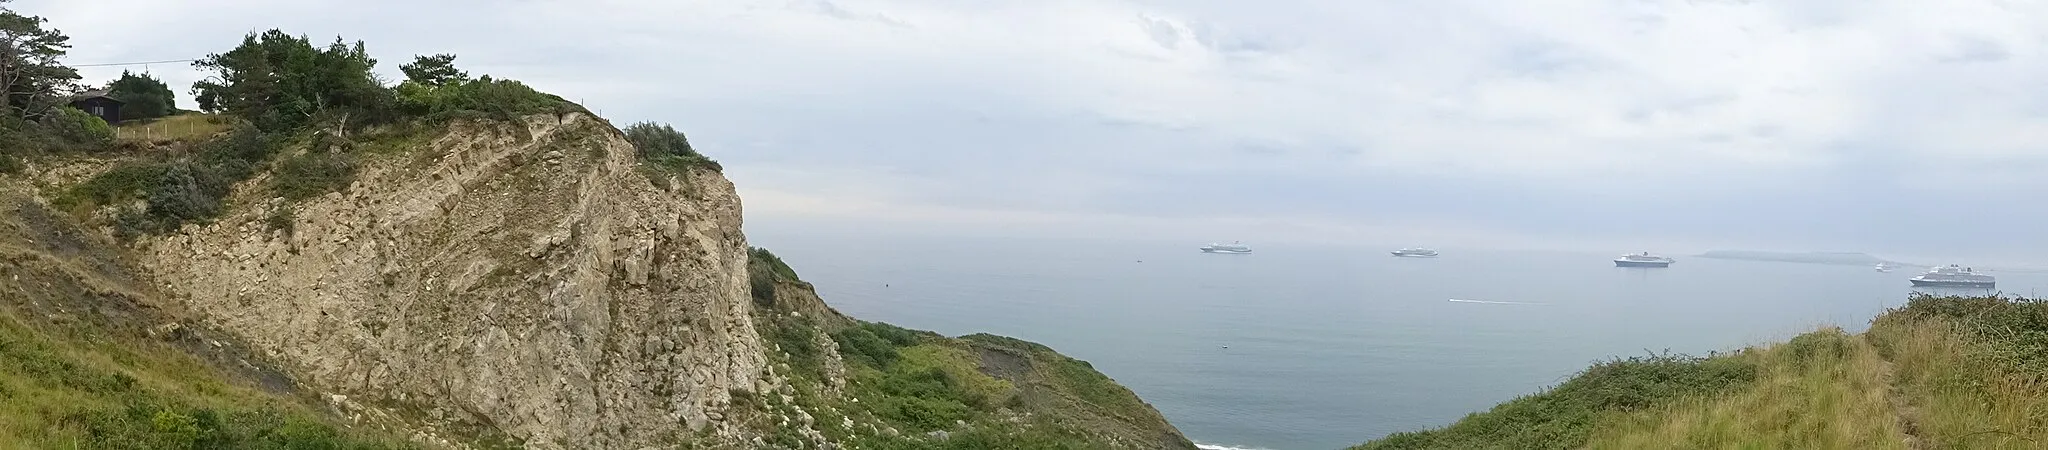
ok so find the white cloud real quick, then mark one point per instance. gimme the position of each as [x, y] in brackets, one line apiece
[1076, 107]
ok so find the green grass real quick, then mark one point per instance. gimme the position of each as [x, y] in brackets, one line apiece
[111, 394]
[1567, 415]
[1821, 390]
[1973, 367]
[190, 127]
[1939, 372]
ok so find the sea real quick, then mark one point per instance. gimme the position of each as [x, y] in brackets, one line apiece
[1324, 347]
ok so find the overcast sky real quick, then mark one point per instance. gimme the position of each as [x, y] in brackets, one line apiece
[1903, 126]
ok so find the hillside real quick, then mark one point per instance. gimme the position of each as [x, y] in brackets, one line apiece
[1940, 372]
[95, 361]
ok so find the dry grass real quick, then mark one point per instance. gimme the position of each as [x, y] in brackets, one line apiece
[1822, 390]
[1962, 397]
[1938, 373]
[179, 128]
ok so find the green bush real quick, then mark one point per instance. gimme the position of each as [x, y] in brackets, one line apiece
[78, 130]
[864, 346]
[481, 98]
[662, 146]
[764, 269]
[2015, 330]
[175, 191]
[313, 174]
[281, 219]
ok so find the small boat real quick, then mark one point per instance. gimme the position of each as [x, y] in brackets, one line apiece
[1415, 252]
[1955, 276]
[1883, 267]
[1644, 259]
[1233, 247]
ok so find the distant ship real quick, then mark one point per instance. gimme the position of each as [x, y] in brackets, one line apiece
[1883, 267]
[1644, 259]
[1233, 247]
[1954, 276]
[1415, 252]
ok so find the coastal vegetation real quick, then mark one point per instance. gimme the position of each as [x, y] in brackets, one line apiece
[911, 389]
[1939, 372]
[114, 393]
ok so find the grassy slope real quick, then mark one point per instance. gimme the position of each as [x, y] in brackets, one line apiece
[1937, 373]
[1824, 389]
[82, 371]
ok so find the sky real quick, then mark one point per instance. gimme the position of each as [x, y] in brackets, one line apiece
[1897, 127]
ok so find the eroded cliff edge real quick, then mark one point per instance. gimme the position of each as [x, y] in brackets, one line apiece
[533, 283]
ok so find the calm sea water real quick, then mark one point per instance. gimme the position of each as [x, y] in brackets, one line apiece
[1302, 347]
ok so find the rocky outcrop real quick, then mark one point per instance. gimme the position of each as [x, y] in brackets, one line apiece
[530, 284]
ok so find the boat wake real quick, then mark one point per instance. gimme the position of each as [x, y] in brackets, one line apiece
[1489, 302]
[1224, 447]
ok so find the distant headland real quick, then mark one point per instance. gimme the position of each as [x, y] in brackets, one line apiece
[1844, 258]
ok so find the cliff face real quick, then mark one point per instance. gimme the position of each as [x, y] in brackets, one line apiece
[535, 284]
[530, 282]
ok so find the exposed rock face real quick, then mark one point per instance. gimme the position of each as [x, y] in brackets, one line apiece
[533, 283]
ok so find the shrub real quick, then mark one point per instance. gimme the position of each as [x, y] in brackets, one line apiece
[797, 337]
[78, 130]
[2015, 330]
[662, 146]
[313, 174]
[862, 346]
[176, 191]
[281, 219]
[763, 270]
[481, 98]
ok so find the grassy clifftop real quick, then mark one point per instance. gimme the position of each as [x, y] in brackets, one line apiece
[1940, 372]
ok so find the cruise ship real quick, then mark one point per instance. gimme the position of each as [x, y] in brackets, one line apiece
[1233, 247]
[1415, 252]
[1954, 276]
[1644, 259]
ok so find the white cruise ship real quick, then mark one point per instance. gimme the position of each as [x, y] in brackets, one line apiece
[1955, 276]
[1233, 247]
[1415, 252]
[1644, 259]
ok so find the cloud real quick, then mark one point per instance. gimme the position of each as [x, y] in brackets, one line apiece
[1782, 123]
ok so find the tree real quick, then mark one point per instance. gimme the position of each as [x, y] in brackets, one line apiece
[31, 77]
[145, 97]
[280, 82]
[436, 70]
